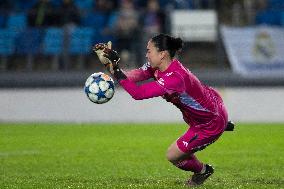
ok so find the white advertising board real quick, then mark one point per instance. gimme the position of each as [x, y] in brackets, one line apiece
[71, 105]
[194, 25]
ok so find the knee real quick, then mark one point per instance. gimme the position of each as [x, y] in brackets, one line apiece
[171, 156]
[175, 155]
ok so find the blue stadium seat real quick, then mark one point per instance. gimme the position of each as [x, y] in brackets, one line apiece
[276, 4]
[94, 19]
[164, 3]
[24, 5]
[17, 21]
[282, 19]
[100, 36]
[28, 41]
[7, 41]
[84, 4]
[270, 17]
[187, 4]
[81, 41]
[53, 41]
[56, 3]
[2, 21]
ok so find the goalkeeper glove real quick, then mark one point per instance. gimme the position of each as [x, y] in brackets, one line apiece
[113, 66]
[109, 58]
[99, 48]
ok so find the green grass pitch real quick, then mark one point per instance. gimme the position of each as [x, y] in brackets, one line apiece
[133, 156]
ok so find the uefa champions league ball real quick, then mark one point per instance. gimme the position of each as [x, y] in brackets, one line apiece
[99, 88]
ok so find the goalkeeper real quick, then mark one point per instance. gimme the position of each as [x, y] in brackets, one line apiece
[202, 106]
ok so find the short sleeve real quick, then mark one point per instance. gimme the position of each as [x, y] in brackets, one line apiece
[172, 82]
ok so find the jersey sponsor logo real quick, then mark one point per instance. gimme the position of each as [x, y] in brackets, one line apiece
[191, 102]
[161, 81]
[146, 66]
[169, 74]
[185, 143]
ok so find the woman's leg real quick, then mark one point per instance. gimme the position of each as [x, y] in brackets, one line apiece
[182, 160]
[181, 152]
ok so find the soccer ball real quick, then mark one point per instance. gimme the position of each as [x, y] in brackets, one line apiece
[99, 88]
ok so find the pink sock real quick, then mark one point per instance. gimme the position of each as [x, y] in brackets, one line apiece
[191, 164]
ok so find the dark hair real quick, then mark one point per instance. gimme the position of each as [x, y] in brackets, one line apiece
[164, 42]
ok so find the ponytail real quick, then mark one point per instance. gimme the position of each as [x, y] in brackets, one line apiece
[164, 42]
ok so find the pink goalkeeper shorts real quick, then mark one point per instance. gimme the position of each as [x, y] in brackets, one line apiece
[198, 138]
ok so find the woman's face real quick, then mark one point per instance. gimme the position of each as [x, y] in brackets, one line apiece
[153, 55]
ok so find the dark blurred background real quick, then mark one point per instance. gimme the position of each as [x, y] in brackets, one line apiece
[48, 42]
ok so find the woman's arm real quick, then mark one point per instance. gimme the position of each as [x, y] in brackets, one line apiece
[169, 83]
[137, 75]
[144, 91]
[141, 74]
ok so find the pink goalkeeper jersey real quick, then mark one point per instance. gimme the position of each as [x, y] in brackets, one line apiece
[198, 103]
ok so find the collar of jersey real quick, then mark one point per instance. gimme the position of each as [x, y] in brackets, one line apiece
[170, 67]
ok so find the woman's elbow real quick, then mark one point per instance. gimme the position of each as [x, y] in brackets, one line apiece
[137, 96]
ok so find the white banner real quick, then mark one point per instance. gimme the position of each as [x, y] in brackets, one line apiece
[255, 51]
[194, 25]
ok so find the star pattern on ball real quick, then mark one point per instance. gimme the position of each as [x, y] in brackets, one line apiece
[100, 94]
[111, 85]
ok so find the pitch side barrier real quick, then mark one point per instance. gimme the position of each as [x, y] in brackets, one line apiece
[219, 78]
[71, 105]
